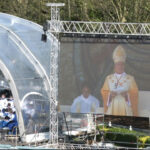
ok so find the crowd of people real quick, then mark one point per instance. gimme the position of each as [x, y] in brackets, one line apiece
[8, 116]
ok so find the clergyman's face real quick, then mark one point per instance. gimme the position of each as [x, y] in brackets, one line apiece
[86, 92]
[119, 67]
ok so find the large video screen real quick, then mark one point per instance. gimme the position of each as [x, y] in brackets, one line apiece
[114, 72]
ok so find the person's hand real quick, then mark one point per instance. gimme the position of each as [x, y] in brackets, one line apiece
[113, 94]
[125, 95]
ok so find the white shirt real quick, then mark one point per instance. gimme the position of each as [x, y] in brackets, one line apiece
[84, 104]
[2, 115]
[3, 103]
[11, 116]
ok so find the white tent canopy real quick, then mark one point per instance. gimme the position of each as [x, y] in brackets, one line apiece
[25, 64]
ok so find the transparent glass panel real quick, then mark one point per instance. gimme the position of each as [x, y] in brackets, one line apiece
[30, 33]
[28, 83]
[35, 109]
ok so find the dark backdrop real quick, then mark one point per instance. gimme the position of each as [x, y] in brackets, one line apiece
[90, 60]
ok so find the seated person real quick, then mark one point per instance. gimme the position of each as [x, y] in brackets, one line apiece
[28, 112]
[10, 103]
[10, 120]
[2, 115]
[3, 102]
[6, 105]
[85, 103]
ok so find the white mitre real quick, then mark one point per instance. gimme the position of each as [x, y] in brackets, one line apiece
[119, 54]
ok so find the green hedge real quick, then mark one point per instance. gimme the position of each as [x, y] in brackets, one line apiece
[124, 135]
[144, 141]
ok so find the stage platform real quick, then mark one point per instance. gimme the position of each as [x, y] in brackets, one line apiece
[139, 122]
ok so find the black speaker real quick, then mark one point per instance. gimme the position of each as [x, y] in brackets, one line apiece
[44, 38]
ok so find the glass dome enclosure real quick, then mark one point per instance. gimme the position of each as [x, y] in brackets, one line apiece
[25, 65]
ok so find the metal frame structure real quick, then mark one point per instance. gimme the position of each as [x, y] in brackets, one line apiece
[55, 17]
[55, 26]
[54, 90]
[25, 50]
[107, 28]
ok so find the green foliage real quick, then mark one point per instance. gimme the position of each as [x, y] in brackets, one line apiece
[88, 10]
[121, 137]
[144, 141]
[147, 141]
[127, 137]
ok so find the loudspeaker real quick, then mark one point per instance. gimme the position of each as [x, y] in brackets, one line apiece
[44, 38]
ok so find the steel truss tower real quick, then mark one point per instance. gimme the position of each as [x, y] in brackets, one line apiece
[54, 51]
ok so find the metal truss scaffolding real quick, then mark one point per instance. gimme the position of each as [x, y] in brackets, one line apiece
[54, 51]
[80, 27]
[53, 136]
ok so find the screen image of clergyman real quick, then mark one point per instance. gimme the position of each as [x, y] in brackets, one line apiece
[120, 92]
[92, 61]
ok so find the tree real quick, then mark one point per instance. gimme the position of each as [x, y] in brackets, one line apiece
[88, 10]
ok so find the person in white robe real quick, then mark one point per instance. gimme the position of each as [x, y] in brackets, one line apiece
[120, 91]
[85, 103]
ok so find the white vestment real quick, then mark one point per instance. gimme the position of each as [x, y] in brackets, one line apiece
[118, 105]
[85, 105]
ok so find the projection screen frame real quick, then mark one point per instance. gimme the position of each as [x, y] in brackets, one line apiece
[56, 27]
